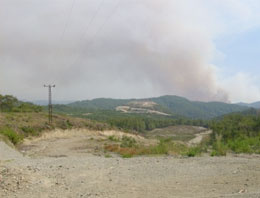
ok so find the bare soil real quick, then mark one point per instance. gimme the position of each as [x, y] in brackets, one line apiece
[72, 164]
[179, 133]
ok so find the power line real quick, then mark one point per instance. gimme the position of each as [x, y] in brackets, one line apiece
[64, 29]
[87, 27]
[100, 28]
[85, 30]
[91, 20]
[68, 20]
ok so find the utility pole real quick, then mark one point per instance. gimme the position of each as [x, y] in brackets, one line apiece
[50, 103]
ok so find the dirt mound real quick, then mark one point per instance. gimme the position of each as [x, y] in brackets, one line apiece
[8, 153]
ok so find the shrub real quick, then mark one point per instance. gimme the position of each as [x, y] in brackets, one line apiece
[12, 135]
[107, 155]
[161, 148]
[128, 142]
[193, 151]
[69, 124]
[219, 149]
[127, 155]
[65, 124]
[29, 131]
[113, 138]
[245, 145]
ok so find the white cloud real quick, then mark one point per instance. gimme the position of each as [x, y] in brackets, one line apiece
[242, 88]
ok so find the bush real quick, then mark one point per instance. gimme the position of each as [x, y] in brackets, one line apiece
[65, 124]
[12, 135]
[245, 145]
[161, 148]
[107, 155]
[128, 142]
[69, 124]
[113, 138]
[93, 125]
[29, 131]
[219, 149]
[193, 151]
[127, 155]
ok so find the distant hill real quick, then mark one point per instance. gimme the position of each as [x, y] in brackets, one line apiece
[173, 105]
[255, 105]
[100, 103]
[45, 102]
[196, 110]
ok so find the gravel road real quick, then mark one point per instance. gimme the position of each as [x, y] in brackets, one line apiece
[68, 166]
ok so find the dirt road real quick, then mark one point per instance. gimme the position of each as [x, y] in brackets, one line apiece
[198, 137]
[71, 165]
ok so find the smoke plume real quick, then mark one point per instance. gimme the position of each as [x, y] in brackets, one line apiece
[130, 48]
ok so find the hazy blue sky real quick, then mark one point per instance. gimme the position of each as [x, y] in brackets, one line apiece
[240, 62]
[200, 49]
[241, 51]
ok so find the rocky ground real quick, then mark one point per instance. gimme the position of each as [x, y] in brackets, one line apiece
[71, 164]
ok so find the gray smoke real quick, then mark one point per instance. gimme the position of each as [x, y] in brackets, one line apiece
[133, 48]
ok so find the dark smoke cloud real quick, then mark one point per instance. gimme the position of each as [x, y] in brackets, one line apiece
[137, 48]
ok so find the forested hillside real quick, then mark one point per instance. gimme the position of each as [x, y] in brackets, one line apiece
[173, 105]
[100, 103]
[252, 105]
[196, 110]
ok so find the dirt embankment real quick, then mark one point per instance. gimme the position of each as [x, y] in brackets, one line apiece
[70, 164]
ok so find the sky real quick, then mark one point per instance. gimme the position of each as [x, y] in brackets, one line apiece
[199, 49]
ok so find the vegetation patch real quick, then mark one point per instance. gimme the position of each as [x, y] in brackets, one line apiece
[245, 145]
[178, 133]
[14, 137]
[128, 142]
[193, 151]
[9, 103]
[128, 147]
[107, 155]
[113, 138]
[30, 131]
[16, 125]
[239, 133]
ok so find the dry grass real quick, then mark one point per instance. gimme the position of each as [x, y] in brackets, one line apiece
[164, 147]
[177, 133]
[35, 124]
[60, 134]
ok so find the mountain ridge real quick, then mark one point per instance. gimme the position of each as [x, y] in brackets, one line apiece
[251, 105]
[175, 105]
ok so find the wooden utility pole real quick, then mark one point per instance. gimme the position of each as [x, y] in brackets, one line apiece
[50, 102]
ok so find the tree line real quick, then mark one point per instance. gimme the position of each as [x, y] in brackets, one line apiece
[10, 103]
[237, 132]
[141, 124]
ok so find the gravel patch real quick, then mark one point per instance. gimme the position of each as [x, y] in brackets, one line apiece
[56, 172]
